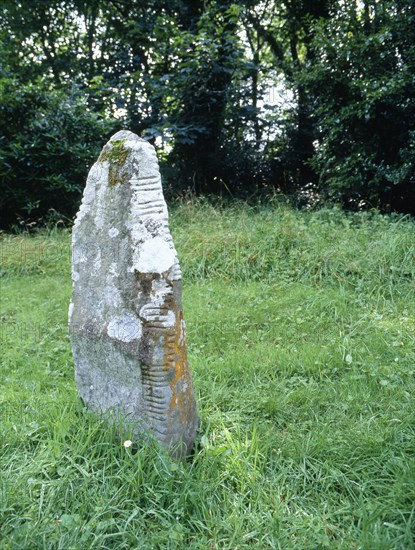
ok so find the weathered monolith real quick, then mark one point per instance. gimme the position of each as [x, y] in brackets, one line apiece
[125, 319]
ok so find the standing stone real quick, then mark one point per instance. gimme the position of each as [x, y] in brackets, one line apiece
[126, 320]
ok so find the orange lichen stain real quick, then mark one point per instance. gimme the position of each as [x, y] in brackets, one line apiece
[176, 358]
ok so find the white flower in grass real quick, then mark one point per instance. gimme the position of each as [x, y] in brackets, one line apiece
[127, 443]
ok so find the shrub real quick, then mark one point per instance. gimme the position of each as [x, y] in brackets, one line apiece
[48, 141]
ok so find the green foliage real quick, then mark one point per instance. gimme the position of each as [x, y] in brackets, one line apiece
[196, 96]
[363, 81]
[302, 349]
[196, 78]
[49, 140]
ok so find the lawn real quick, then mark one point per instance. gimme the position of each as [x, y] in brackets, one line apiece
[301, 339]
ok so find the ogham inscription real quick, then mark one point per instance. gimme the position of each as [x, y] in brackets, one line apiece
[126, 319]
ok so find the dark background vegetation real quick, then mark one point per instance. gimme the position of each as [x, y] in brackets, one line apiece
[200, 79]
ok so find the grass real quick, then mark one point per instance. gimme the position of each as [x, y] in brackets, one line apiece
[301, 337]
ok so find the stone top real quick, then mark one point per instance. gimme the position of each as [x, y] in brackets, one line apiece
[126, 134]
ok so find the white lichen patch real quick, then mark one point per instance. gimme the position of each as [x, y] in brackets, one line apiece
[113, 232]
[159, 291]
[113, 270]
[156, 255]
[70, 312]
[126, 327]
[170, 319]
[134, 144]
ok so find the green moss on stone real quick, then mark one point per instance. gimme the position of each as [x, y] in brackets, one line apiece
[116, 154]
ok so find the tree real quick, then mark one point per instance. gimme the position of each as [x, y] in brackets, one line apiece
[288, 31]
[202, 82]
[362, 79]
[192, 77]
